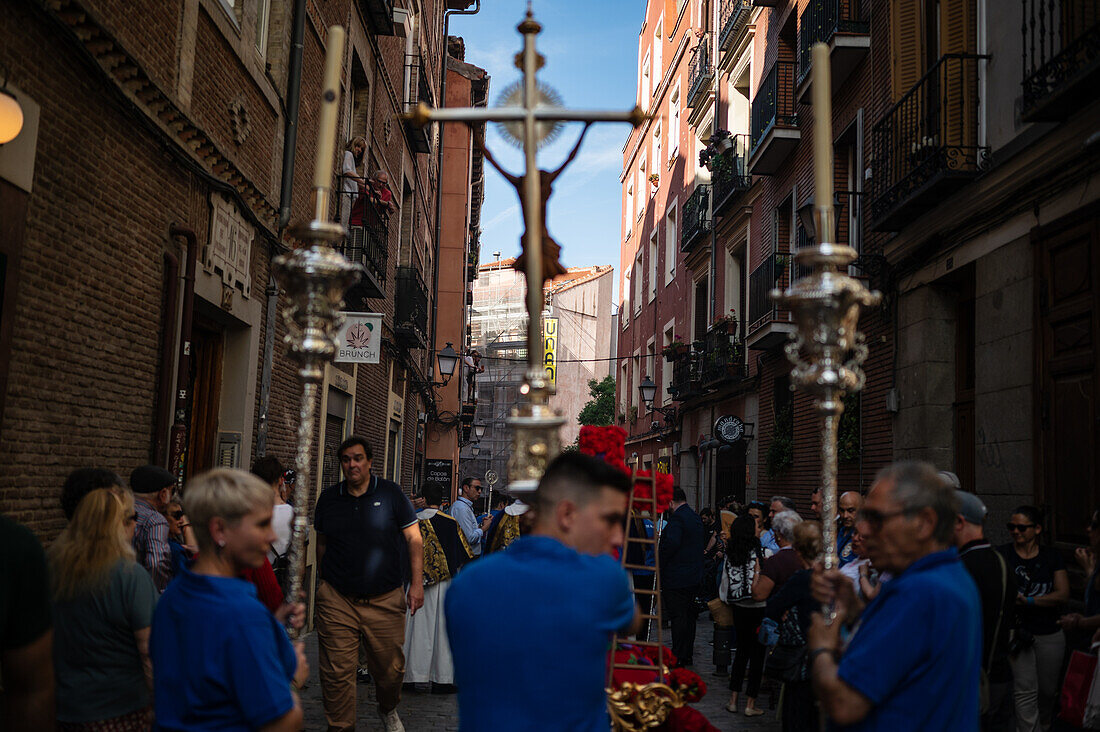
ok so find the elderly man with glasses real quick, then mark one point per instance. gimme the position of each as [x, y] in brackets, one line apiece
[914, 662]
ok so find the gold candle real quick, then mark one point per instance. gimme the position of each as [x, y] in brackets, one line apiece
[823, 145]
[330, 109]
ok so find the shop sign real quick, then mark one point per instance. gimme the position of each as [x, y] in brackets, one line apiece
[359, 339]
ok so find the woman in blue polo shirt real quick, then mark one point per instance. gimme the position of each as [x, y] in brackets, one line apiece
[221, 660]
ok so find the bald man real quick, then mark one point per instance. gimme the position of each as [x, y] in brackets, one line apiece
[848, 506]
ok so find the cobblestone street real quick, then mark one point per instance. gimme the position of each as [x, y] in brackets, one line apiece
[424, 712]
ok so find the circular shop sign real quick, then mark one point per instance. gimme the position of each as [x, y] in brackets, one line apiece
[729, 429]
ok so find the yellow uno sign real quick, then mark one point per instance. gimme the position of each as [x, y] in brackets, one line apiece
[550, 349]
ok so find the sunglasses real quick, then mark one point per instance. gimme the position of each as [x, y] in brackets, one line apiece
[877, 518]
[177, 515]
[1019, 527]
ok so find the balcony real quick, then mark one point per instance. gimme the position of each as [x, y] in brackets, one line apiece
[379, 13]
[723, 358]
[686, 378]
[837, 23]
[728, 174]
[769, 326]
[701, 74]
[926, 146]
[411, 309]
[733, 22]
[417, 89]
[696, 218]
[367, 243]
[775, 132]
[1061, 57]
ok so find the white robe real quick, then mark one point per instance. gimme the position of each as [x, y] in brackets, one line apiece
[427, 652]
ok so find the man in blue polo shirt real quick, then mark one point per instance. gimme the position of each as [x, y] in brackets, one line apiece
[366, 531]
[565, 594]
[914, 659]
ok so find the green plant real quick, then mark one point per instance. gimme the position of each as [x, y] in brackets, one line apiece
[848, 442]
[633, 414]
[600, 408]
[780, 455]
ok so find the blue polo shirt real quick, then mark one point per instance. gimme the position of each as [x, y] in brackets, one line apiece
[220, 660]
[917, 652]
[548, 672]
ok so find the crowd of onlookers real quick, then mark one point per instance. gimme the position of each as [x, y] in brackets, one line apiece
[757, 563]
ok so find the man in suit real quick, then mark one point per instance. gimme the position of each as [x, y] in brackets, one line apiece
[680, 554]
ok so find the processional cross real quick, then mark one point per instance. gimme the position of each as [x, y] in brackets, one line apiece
[531, 117]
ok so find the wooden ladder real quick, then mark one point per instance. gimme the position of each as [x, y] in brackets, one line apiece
[642, 508]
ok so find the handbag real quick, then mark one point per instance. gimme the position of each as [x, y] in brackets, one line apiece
[785, 663]
[1076, 687]
[1092, 706]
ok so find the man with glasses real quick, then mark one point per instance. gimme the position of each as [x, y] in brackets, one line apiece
[778, 504]
[914, 661]
[463, 513]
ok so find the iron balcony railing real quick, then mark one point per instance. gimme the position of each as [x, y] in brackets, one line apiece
[411, 308]
[723, 358]
[380, 15]
[367, 220]
[774, 103]
[729, 173]
[772, 273]
[801, 239]
[686, 381]
[696, 217]
[734, 19]
[820, 21]
[1061, 45]
[701, 72]
[930, 134]
[417, 90]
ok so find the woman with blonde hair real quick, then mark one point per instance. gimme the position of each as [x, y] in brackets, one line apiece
[103, 607]
[221, 659]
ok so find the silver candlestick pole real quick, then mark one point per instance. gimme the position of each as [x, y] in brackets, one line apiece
[315, 278]
[827, 349]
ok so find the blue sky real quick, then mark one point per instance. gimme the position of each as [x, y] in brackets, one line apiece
[591, 49]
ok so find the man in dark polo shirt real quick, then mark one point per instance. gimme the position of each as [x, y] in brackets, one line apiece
[362, 524]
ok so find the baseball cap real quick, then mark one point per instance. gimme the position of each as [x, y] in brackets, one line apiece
[150, 479]
[971, 507]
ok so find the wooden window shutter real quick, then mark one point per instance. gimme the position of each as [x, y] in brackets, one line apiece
[958, 80]
[906, 45]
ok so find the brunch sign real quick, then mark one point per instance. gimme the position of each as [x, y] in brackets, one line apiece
[359, 340]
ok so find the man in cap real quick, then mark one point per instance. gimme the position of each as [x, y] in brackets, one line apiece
[152, 486]
[997, 594]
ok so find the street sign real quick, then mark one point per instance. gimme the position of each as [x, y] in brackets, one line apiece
[729, 429]
[359, 339]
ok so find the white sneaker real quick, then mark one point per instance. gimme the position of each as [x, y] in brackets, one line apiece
[391, 722]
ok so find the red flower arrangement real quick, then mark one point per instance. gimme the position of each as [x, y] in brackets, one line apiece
[687, 719]
[689, 684]
[609, 443]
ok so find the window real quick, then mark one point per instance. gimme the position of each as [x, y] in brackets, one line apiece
[634, 362]
[731, 286]
[638, 281]
[702, 309]
[629, 210]
[674, 122]
[666, 340]
[658, 48]
[653, 264]
[644, 94]
[624, 388]
[263, 20]
[642, 183]
[393, 450]
[671, 237]
[650, 365]
[624, 310]
[233, 9]
[658, 168]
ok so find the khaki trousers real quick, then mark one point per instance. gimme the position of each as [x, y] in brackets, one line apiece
[340, 622]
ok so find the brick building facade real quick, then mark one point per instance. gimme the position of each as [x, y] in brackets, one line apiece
[154, 130]
[963, 184]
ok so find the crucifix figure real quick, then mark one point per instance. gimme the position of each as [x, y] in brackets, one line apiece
[551, 265]
[535, 425]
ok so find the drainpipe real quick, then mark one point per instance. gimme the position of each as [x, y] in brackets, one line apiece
[167, 346]
[713, 50]
[178, 440]
[439, 173]
[286, 188]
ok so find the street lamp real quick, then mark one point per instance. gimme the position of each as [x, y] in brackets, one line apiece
[475, 449]
[648, 391]
[448, 360]
[479, 431]
[806, 216]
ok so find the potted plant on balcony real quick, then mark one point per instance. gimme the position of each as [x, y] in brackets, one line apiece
[654, 179]
[633, 415]
[727, 322]
[721, 141]
[675, 350]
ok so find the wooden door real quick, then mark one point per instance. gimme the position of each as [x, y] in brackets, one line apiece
[207, 355]
[1069, 299]
[729, 473]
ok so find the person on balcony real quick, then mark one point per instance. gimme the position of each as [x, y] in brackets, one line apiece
[352, 184]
